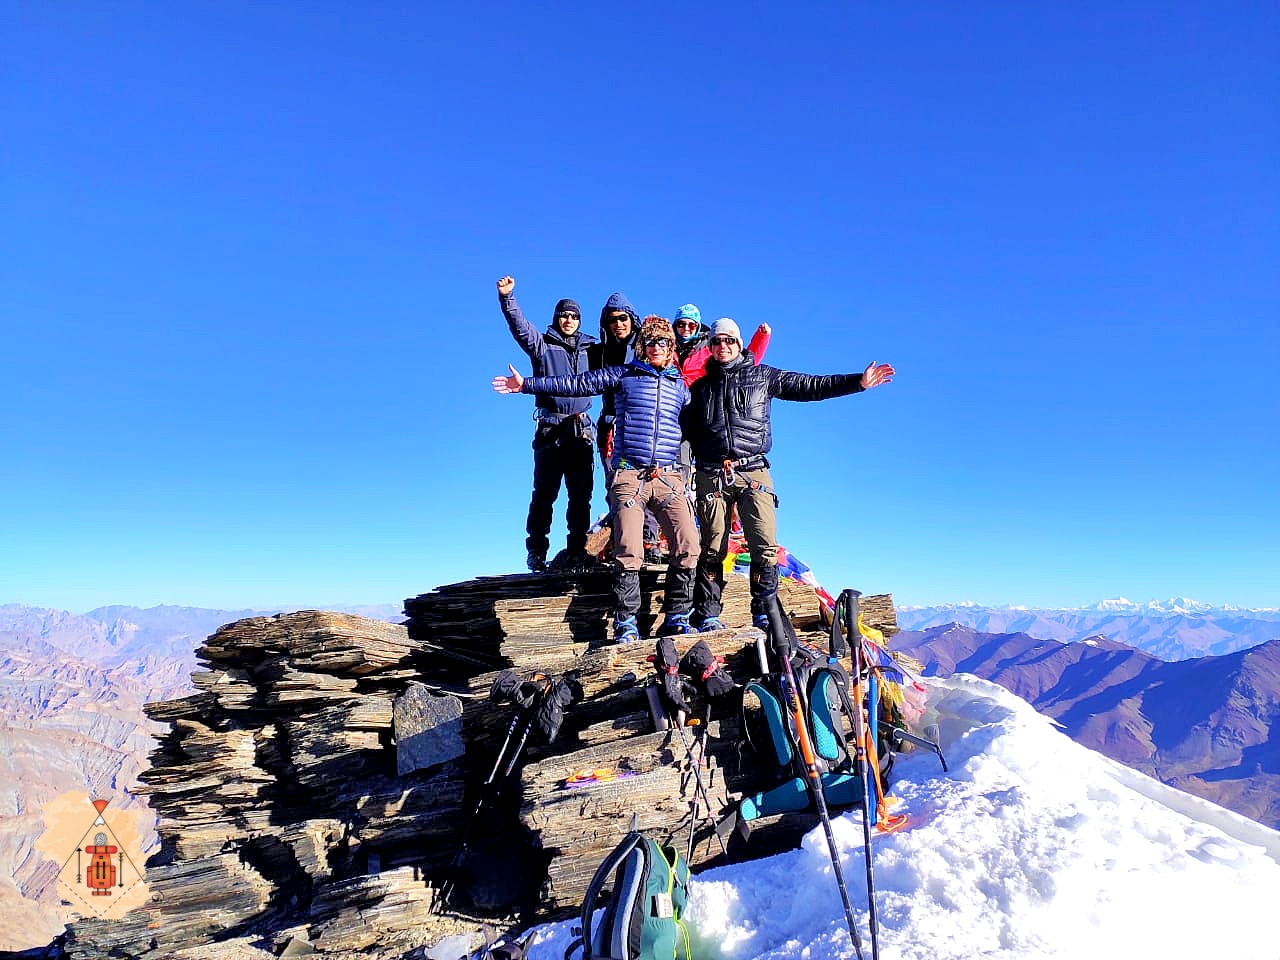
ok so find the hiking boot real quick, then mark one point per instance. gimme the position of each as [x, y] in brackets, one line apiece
[760, 621]
[537, 561]
[710, 624]
[625, 630]
[675, 623]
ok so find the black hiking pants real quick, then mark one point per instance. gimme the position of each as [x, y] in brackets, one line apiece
[561, 451]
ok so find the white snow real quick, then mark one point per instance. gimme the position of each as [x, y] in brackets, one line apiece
[1031, 846]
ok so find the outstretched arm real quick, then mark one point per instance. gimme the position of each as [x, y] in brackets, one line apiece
[524, 332]
[587, 384]
[804, 386]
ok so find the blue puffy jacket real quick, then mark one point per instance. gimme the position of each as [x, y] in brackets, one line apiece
[647, 404]
[553, 355]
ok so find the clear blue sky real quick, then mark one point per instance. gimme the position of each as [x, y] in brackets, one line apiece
[247, 255]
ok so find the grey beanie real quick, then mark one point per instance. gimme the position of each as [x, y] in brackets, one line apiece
[727, 328]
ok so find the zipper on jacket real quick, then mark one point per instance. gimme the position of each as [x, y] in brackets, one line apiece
[657, 406]
[731, 448]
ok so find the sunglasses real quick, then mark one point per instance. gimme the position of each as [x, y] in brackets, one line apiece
[685, 323]
[620, 318]
[722, 341]
[658, 342]
[567, 316]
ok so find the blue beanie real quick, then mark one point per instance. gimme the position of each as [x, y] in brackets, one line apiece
[688, 312]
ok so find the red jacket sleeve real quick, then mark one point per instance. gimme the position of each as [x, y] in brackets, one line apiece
[695, 365]
[758, 345]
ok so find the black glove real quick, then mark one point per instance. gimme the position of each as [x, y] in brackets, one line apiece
[504, 687]
[667, 662]
[550, 713]
[707, 673]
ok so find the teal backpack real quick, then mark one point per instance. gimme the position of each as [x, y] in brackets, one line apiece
[642, 917]
[768, 729]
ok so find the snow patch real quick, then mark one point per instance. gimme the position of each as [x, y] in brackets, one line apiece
[1031, 847]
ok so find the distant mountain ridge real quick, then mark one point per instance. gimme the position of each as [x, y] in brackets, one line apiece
[1175, 629]
[72, 688]
[1210, 726]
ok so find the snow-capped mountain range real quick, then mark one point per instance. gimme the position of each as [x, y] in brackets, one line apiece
[1175, 629]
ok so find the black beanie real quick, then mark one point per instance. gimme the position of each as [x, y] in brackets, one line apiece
[567, 306]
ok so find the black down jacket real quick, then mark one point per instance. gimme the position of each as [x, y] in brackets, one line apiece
[728, 413]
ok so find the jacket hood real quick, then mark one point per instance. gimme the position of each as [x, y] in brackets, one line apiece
[617, 301]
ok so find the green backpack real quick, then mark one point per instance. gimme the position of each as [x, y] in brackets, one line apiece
[642, 917]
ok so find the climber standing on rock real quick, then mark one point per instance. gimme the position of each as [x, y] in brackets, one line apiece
[648, 396]
[619, 327]
[563, 440]
[728, 425]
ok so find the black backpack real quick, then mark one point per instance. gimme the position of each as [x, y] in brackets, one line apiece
[642, 916]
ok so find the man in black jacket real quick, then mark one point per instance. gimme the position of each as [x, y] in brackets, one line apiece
[564, 438]
[727, 423]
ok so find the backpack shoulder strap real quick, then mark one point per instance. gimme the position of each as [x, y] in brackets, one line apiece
[779, 740]
[602, 875]
[828, 699]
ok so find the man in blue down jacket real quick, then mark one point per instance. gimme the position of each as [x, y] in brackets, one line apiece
[563, 440]
[648, 397]
[728, 424]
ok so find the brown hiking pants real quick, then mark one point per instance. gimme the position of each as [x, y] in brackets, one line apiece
[662, 492]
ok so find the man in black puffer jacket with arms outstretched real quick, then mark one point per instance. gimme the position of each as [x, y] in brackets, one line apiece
[727, 423]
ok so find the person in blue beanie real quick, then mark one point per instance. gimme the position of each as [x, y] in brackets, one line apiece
[563, 440]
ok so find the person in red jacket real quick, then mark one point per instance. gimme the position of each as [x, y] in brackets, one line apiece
[692, 349]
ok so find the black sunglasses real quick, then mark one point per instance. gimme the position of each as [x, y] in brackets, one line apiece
[722, 341]
[658, 342]
[567, 316]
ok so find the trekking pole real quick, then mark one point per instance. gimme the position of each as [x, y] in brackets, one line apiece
[782, 648]
[667, 715]
[849, 600]
[696, 765]
[525, 714]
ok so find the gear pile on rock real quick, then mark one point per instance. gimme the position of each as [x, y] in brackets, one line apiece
[333, 775]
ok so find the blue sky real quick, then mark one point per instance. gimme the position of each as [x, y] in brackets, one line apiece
[248, 254]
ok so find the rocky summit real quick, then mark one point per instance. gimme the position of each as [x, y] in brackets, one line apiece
[316, 794]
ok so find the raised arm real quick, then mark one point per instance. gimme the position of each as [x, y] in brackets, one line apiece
[525, 333]
[760, 342]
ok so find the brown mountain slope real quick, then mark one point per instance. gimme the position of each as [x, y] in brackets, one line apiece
[1208, 726]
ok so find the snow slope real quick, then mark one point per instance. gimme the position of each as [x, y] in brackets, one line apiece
[1031, 846]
